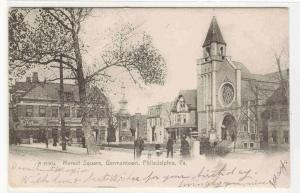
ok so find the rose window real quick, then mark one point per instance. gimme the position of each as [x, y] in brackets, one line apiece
[227, 93]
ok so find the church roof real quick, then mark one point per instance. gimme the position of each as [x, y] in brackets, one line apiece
[214, 33]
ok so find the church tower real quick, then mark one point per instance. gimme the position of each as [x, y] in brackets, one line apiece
[218, 79]
[214, 46]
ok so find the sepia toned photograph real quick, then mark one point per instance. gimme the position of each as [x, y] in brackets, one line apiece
[114, 97]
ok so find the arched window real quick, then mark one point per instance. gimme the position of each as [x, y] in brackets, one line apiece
[222, 51]
[208, 51]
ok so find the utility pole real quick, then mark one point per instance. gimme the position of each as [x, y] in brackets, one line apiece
[62, 105]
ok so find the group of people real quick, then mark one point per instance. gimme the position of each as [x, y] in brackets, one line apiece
[184, 147]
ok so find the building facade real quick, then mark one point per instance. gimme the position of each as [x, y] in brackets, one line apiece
[158, 119]
[138, 124]
[230, 99]
[184, 116]
[276, 119]
[36, 109]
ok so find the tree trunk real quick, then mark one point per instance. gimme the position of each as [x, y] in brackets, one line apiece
[86, 123]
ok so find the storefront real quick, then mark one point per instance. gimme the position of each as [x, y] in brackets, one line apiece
[177, 131]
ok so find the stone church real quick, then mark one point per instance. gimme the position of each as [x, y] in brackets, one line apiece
[230, 99]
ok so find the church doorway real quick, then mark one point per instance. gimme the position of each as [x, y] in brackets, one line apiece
[229, 128]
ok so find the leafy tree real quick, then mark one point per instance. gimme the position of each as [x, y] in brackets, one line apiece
[44, 36]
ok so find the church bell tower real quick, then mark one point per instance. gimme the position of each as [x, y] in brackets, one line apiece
[214, 52]
[214, 46]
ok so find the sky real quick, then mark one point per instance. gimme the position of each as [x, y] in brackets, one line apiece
[252, 35]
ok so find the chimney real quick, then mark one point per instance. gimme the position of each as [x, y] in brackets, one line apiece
[28, 79]
[35, 77]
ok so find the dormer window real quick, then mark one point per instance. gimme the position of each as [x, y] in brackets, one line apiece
[181, 103]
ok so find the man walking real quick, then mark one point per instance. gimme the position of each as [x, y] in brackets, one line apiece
[170, 144]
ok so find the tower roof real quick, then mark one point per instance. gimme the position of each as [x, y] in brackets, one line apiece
[214, 33]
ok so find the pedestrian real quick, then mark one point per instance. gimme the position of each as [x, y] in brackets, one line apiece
[157, 149]
[139, 147]
[83, 141]
[170, 144]
[46, 137]
[185, 147]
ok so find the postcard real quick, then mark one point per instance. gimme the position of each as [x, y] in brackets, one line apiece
[122, 97]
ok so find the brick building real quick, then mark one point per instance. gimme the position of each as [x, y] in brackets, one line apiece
[35, 108]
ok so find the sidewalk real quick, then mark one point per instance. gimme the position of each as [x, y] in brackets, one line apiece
[106, 153]
[70, 149]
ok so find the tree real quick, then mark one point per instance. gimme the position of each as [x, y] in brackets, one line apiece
[283, 80]
[44, 36]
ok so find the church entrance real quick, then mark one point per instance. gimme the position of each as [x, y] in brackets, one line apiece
[229, 128]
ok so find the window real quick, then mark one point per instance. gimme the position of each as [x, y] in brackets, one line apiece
[286, 136]
[284, 114]
[245, 125]
[54, 111]
[178, 119]
[42, 111]
[68, 96]
[79, 134]
[251, 145]
[222, 51]
[158, 121]
[79, 113]
[181, 105]
[227, 93]
[208, 51]
[181, 102]
[67, 111]
[274, 115]
[274, 136]
[245, 145]
[252, 136]
[184, 118]
[29, 111]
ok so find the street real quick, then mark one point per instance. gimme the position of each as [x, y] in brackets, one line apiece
[31, 166]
